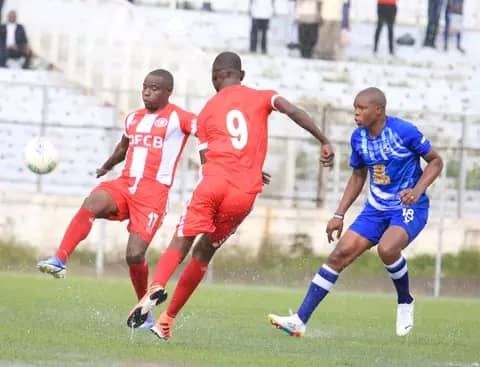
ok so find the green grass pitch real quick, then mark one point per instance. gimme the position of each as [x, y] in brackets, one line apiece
[81, 322]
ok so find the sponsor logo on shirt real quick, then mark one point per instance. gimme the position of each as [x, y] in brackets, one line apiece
[160, 122]
[145, 140]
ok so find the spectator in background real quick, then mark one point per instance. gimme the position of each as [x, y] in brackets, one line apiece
[207, 6]
[261, 11]
[386, 12]
[454, 23]
[1, 6]
[14, 42]
[330, 30]
[346, 15]
[309, 17]
[434, 11]
[292, 28]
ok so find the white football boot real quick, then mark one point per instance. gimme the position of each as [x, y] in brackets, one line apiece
[292, 324]
[405, 318]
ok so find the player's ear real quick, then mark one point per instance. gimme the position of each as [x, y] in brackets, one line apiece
[242, 74]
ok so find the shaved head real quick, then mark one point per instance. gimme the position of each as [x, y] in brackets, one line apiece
[375, 96]
[227, 70]
[227, 60]
[166, 75]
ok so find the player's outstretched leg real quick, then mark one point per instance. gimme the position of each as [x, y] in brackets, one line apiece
[99, 204]
[77, 230]
[350, 246]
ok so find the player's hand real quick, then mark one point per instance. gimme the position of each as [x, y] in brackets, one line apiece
[326, 155]
[101, 172]
[334, 224]
[266, 178]
[409, 196]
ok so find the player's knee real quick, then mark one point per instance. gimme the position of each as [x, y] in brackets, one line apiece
[340, 258]
[204, 250]
[99, 204]
[387, 252]
[135, 257]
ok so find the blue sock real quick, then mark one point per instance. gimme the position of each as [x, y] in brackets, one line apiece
[399, 273]
[319, 288]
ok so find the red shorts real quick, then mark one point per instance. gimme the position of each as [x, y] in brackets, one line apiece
[216, 207]
[144, 206]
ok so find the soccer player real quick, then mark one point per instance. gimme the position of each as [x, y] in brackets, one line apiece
[232, 133]
[151, 144]
[388, 150]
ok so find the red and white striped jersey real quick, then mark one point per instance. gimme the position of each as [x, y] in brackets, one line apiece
[156, 142]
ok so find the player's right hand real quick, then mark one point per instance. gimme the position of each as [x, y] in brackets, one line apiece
[334, 224]
[326, 155]
[101, 172]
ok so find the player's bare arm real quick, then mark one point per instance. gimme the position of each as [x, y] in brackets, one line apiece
[354, 188]
[303, 119]
[431, 172]
[117, 156]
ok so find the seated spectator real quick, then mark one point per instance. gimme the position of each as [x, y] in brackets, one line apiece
[14, 42]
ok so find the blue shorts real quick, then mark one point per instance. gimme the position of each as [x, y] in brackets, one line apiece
[372, 223]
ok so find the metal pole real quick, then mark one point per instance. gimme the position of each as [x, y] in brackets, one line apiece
[463, 171]
[102, 236]
[100, 256]
[438, 257]
[42, 129]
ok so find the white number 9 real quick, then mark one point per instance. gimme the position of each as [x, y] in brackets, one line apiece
[237, 128]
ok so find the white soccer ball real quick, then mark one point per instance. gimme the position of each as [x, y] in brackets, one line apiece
[41, 156]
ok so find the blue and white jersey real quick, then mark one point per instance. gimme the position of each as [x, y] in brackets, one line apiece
[393, 161]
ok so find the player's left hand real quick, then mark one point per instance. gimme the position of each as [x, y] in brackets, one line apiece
[266, 178]
[326, 155]
[101, 172]
[409, 196]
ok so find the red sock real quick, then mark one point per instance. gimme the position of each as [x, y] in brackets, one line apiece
[190, 279]
[76, 231]
[139, 277]
[166, 265]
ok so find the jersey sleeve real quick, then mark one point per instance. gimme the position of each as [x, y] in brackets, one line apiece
[356, 161]
[415, 140]
[128, 120]
[270, 96]
[188, 123]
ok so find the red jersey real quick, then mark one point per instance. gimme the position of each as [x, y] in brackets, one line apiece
[233, 128]
[387, 2]
[156, 141]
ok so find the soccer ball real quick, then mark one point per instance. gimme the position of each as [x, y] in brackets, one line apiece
[41, 156]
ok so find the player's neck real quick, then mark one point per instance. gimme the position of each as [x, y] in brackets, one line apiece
[229, 83]
[376, 128]
[161, 107]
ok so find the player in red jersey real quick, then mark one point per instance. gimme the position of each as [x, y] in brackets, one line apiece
[151, 146]
[232, 130]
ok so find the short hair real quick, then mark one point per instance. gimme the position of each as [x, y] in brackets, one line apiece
[166, 75]
[227, 60]
[375, 95]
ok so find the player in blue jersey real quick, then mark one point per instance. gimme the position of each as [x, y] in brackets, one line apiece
[388, 150]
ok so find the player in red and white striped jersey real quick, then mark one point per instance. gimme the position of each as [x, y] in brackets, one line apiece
[152, 143]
